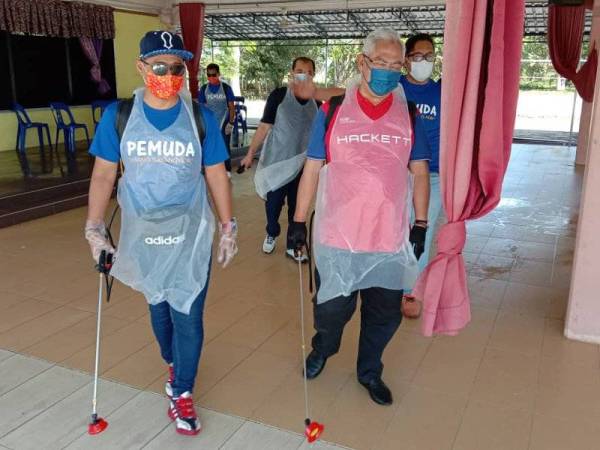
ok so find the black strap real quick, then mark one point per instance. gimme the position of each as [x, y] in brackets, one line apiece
[334, 104]
[124, 108]
[412, 112]
[199, 120]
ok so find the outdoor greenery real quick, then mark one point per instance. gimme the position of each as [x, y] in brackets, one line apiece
[264, 65]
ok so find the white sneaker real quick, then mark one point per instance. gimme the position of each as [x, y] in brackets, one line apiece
[292, 254]
[269, 244]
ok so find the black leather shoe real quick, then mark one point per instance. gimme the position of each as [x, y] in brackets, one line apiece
[378, 391]
[315, 362]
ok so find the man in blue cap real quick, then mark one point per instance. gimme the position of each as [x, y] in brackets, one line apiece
[163, 141]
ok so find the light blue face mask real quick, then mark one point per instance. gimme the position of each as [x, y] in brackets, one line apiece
[383, 81]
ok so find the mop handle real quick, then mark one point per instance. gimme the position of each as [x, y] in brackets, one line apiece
[97, 345]
[303, 340]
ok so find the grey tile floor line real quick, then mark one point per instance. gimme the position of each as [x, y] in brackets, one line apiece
[46, 406]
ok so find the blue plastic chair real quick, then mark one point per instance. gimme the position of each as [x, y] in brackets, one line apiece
[98, 107]
[241, 114]
[61, 112]
[24, 125]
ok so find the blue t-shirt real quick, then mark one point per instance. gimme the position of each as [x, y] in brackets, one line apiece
[317, 144]
[214, 88]
[106, 141]
[427, 97]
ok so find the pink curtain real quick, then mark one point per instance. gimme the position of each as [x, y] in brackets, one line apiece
[482, 53]
[191, 16]
[92, 48]
[565, 35]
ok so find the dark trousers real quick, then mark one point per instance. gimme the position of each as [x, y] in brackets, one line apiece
[180, 337]
[274, 204]
[380, 317]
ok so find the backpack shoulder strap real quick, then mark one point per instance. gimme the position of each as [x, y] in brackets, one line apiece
[334, 104]
[124, 108]
[412, 112]
[199, 120]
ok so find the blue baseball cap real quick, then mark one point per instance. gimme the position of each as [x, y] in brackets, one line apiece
[162, 42]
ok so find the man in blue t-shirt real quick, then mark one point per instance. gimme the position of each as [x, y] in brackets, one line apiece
[426, 95]
[167, 223]
[218, 97]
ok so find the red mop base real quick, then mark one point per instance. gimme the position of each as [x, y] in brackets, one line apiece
[313, 431]
[98, 426]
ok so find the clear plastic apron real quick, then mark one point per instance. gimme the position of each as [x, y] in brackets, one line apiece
[284, 151]
[217, 103]
[167, 225]
[363, 202]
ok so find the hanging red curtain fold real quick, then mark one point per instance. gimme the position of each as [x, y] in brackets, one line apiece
[191, 16]
[482, 54]
[565, 35]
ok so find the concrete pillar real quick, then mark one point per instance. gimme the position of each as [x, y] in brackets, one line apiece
[586, 108]
[583, 314]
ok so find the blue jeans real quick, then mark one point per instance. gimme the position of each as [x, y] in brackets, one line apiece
[180, 338]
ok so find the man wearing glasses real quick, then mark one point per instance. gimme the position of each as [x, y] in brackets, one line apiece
[167, 224]
[218, 97]
[426, 94]
[361, 154]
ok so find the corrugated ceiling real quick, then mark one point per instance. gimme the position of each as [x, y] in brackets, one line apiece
[344, 24]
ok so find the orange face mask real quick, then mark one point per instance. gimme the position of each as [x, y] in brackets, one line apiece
[164, 87]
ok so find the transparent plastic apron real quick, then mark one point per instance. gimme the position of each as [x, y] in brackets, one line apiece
[363, 202]
[167, 225]
[284, 151]
[217, 103]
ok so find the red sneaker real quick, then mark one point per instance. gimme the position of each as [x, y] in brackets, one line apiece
[181, 410]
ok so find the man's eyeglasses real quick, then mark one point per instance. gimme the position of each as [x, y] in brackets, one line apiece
[418, 57]
[381, 64]
[161, 69]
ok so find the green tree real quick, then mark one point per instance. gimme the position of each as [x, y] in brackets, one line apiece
[342, 61]
[221, 54]
[264, 64]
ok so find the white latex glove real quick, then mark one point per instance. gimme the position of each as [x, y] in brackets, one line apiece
[227, 242]
[95, 233]
[228, 128]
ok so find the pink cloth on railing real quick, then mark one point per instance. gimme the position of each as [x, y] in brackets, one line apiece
[482, 53]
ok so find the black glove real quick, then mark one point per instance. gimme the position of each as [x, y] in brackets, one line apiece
[297, 235]
[417, 239]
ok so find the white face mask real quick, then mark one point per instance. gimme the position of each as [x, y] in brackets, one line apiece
[421, 70]
[300, 77]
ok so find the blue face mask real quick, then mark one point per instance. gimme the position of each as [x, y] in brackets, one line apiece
[383, 81]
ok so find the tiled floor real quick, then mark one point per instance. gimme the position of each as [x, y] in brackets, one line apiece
[509, 381]
[48, 407]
